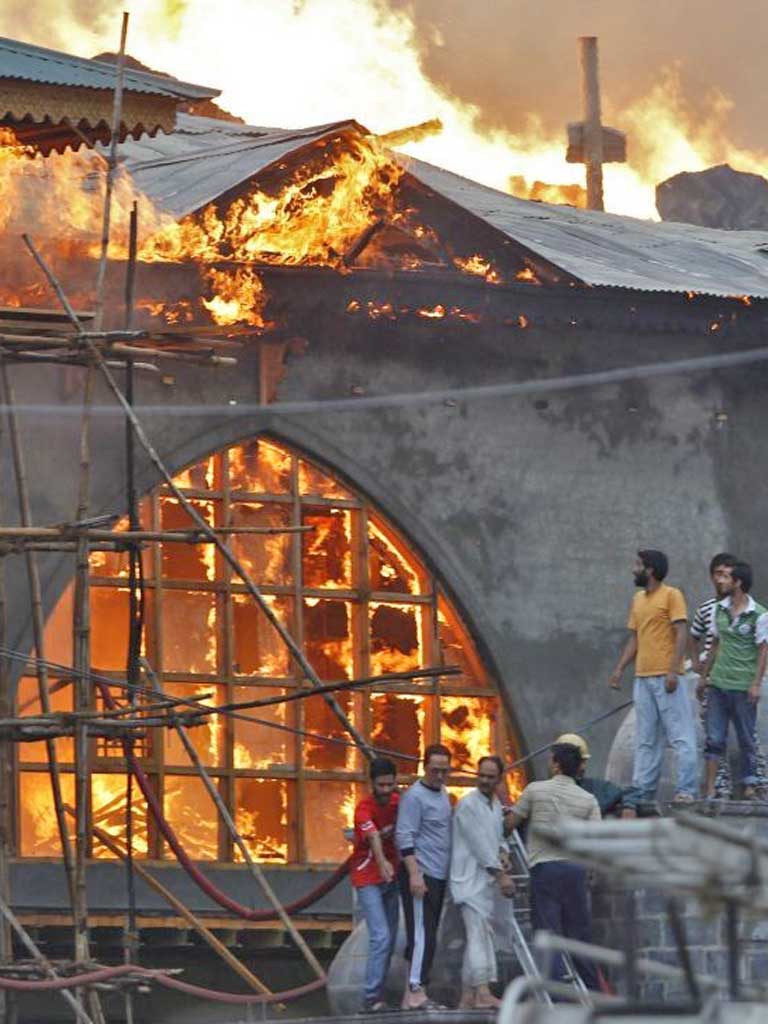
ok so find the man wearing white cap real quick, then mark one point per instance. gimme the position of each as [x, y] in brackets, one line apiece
[613, 800]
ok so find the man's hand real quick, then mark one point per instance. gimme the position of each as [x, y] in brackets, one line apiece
[417, 884]
[387, 871]
[753, 695]
[614, 680]
[670, 683]
[701, 686]
[507, 885]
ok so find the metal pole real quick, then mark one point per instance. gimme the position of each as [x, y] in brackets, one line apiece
[593, 129]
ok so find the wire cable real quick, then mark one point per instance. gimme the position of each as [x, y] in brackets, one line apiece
[510, 389]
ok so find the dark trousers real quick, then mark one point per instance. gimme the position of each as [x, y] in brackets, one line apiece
[559, 904]
[422, 918]
[724, 707]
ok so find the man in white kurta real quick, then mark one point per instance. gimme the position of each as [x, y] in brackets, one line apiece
[477, 875]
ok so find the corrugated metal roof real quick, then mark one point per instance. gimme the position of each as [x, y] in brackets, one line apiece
[623, 252]
[38, 64]
[203, 158]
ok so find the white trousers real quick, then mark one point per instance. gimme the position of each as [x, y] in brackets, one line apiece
[479, 964]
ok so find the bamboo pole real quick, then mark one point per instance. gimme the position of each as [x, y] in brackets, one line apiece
[205, 933]
[81, 629]
[253, 866]
[118, 536]
[117, 111]
[38, 637]
[135, 612]
[6, 941]
[40, 959]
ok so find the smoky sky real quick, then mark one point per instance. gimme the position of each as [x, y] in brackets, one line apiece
[30, 20]
[516, 57]
[511, 57]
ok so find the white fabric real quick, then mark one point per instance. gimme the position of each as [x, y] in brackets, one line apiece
[478, 966]
[478, 833]
[419, 941]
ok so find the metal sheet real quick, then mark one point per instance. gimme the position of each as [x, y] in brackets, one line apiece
[606, 249]
[204, 158]
[37, 64]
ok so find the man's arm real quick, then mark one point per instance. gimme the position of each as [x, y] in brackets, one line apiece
[386, 870]
[681, 639]
[762, 661]
[706, 668]
[627, 655]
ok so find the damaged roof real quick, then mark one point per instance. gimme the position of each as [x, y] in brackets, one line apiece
[611, 250]
[204, 158]
[55, 100]
[51, 67]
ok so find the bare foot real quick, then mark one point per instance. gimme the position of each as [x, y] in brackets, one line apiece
[485, 999]
[413, 999]
[467, 1001]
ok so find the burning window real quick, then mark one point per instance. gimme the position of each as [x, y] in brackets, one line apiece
[350, 590]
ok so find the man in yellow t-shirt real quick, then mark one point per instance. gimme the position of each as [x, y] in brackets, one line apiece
[657, 641]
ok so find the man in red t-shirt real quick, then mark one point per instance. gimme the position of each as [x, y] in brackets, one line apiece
[372, 871]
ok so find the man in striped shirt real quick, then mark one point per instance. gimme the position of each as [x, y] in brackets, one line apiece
[702, 635]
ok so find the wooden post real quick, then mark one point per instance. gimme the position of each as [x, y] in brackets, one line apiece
[593, 129]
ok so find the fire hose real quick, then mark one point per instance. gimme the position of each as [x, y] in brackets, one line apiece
[106, 974]
[203, 883]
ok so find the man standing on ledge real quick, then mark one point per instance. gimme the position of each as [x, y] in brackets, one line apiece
[658, 637]
[477, 873]
[423, 836]
[559, 900]
[739, 654]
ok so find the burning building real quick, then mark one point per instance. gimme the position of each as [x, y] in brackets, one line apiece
[383, 314]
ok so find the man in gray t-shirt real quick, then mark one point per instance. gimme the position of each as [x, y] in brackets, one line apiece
[423, 836]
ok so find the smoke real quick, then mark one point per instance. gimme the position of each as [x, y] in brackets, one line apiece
[513, 57]
[682, 79]
[59, 24]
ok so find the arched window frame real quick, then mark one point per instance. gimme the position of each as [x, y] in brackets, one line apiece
[308, 794]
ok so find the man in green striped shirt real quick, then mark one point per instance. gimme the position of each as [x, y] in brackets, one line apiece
[734, 672]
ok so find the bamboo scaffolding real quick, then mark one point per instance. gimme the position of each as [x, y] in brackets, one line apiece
[206, 934]
[43, 962]
[36, 602]
[253, 866]
[126, 536]
[234, 563]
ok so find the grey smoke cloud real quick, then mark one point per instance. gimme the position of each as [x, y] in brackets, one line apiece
[512, 57]
[516, 57]
[38, 21]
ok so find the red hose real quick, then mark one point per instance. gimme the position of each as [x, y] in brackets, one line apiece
[108, 973]
[230, 997]
[74, 980]
[211, 890]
